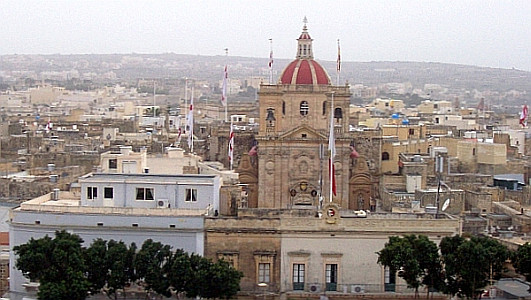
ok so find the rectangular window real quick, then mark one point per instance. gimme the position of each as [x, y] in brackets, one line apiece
[92, 192]
[108, 193]
[144, 194]
[113, 163]
[191, 195]
[389, 280]
[263, 272]
[331, 277]
[298, 277]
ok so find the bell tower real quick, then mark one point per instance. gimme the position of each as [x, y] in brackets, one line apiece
[293, 135]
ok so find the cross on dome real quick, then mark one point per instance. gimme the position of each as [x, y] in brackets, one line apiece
[304, 69]
[305, 42]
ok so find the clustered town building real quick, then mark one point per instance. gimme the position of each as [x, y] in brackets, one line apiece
[115, 164]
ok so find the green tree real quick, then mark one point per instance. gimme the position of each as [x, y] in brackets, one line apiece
[198, 281]
[34, 257]
[62, 275]
[497, 255]
[180, 271]
[120, 267]
[97, 266]
[416, 258]
[522, 260]
[448, 247]
[223, 281]
[150, 265]
[470, 263]
[109, 266]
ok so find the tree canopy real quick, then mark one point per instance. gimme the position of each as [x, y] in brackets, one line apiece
[522, 260]
[416, 258]
[58, 264]
[66, 270]
[463, 267]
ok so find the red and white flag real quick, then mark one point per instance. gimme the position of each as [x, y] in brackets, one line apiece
[523, 116]
[332, 153]
[224, 87]
[231, 145]
[49, 126]
[190, 123]
[179, 136]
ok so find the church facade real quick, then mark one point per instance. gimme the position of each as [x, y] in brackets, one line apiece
[291, 163]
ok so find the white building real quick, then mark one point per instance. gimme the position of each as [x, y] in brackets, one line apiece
[128, 207]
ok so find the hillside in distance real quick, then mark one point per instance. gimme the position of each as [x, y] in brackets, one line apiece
[130, 67]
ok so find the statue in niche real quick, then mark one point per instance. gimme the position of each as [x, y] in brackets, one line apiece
[360, 201]
[303, 167]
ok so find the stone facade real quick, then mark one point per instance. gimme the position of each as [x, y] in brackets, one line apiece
[298, 241]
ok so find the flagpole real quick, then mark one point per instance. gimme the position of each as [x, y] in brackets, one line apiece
[331, 161]
[231, 145]
[226, 63]
[186, 94]
[270, 61]
[192, 126]
[154, 92]
[338, 62]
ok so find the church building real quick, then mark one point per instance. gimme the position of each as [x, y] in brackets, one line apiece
[290, 169]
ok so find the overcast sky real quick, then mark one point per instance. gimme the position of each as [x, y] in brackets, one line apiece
[484, 33]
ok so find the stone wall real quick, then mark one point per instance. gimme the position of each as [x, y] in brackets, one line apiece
[245, 241]
[480, 200]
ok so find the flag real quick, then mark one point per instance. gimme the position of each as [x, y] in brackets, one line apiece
[224, 87]
[231, 145]
[523, 116]
[49, 125]
[338, 58]
[179, 136]
[190, 123]
[354, 153]
[253, 151]
[332, 152]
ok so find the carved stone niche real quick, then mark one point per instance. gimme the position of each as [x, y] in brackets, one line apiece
[303, 194]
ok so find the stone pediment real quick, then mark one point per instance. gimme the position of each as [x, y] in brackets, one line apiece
[303, 132]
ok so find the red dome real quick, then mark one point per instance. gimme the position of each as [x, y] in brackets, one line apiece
[304, 71]
[304, 36]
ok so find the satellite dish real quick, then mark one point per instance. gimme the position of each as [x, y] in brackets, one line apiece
[446, 204]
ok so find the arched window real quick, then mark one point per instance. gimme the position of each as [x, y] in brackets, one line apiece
[304, 108]
[385, 155]
[283, 107]
[338, 113]
[324, 108]
[270, 118]
[304, 51]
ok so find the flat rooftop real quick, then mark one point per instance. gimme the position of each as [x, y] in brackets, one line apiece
[68, 202]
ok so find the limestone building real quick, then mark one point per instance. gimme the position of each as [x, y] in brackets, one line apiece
[291, 166]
